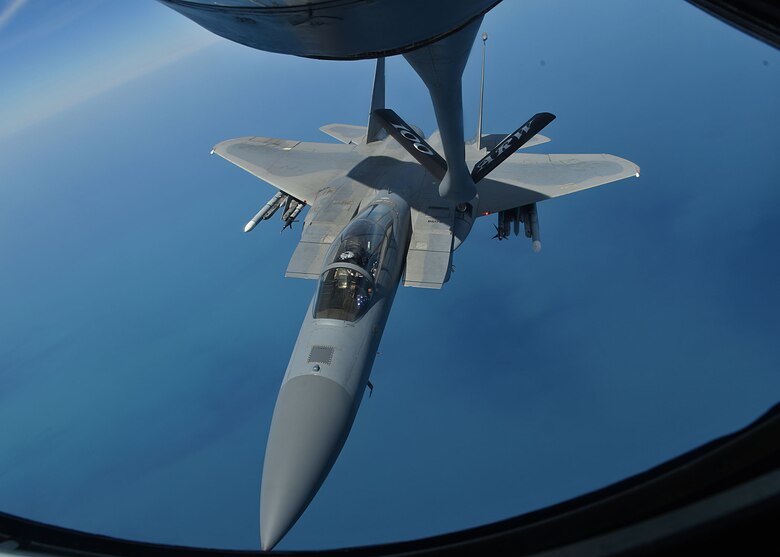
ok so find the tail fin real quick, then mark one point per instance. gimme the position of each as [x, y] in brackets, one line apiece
[376, 132]
[481, 93]
[510, 144]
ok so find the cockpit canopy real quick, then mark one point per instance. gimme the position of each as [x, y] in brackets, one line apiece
[353, 264]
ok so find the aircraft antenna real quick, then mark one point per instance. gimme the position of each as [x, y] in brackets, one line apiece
[481, 93]
[375, 130]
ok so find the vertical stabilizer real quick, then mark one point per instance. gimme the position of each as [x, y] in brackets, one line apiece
[375, 130]
[481, 93]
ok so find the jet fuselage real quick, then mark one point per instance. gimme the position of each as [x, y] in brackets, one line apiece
[332, 360]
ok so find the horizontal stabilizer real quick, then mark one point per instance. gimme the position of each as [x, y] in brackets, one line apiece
[346, 133]
[415, 145]
[510, 144]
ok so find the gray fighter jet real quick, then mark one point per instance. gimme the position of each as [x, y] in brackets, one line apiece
[384, 207]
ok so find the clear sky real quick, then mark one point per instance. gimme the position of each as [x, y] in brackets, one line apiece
[143, 335]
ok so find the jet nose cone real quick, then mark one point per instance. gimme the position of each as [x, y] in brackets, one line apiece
[311, 420]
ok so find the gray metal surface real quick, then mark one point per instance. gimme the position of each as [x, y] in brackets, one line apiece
[334, 29]
[311, 421]
[524, 178]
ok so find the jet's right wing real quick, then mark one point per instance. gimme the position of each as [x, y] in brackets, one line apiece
[526, 178]
[297, 168]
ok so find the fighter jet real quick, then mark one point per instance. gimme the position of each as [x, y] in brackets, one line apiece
[384, 208]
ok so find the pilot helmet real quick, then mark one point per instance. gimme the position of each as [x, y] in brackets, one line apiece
[354, 256]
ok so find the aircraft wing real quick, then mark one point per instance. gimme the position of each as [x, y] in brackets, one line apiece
[297, 168]
[529, 178]
[310, 172]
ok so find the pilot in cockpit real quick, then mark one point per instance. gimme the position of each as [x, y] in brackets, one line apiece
[351, 279]
[345, 277]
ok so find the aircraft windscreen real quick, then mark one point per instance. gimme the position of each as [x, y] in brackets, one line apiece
[344, 294]
[348, 282]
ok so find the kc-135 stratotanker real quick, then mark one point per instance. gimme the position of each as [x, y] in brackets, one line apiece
[384, 207]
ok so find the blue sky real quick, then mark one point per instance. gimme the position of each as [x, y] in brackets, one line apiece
[143, 335]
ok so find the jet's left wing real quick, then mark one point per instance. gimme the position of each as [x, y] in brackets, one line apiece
[297, 168]
[310, 172]
[526, 178]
